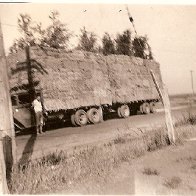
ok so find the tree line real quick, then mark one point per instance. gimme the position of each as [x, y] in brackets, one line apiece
[57, 36]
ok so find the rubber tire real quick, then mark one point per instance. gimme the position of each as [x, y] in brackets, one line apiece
[146, 108]
[73, 122]
[93, 115]
[141, 109]
[101, 113]
[125, 111]
[81, 121]
[152, 107]
[119, 112]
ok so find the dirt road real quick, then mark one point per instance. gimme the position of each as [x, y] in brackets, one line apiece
[31, 146]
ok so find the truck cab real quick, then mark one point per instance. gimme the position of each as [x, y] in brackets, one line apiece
[22, 111]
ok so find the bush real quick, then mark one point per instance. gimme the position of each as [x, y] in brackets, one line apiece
[173, 183]
[150, 171]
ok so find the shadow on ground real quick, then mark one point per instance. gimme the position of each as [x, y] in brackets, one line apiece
[28, 150]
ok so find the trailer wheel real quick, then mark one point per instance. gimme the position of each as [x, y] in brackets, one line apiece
[125, 111]
[146, 108]
[141, 109]
[81, 118]
[119, 112]
[94, 115]
[101, 113]
[73, 120]
[152, 107]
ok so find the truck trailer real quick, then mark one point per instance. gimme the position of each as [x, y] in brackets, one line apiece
[82, 86]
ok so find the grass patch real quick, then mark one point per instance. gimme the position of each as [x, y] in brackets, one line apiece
[193, 166]
[60, 170]
[119, 140]
[190, 159]
[150, 171]
[186, 119]
[92, 162]
[173, 183]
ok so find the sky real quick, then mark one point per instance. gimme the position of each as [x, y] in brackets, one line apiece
[171, 30]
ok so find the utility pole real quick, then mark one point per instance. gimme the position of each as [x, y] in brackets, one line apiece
[166, 103]
[192, 84]
[6, 117]
[136, 36]
[131, 20]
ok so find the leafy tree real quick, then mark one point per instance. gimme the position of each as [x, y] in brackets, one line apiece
[25, 26]
[108, 45]
[56, 35]
[150, 54]
[40, 35]
[123, 43]
[141, 48]
[87, 41]
[18, 44]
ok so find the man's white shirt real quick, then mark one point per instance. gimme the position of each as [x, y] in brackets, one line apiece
[37, 106]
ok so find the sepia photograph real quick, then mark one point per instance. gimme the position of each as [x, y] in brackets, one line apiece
[97, 98]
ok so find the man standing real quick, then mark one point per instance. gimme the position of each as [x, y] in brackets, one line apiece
[37, 105]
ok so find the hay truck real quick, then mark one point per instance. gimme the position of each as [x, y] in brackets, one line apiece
[82, 86]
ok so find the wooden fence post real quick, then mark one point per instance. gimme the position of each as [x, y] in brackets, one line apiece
[3, 180]
[166, 103]
[8, 145]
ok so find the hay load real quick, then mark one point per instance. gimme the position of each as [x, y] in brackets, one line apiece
[130, 78]
[77, 79]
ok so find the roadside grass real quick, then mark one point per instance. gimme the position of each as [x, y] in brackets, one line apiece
[191, 160]
[185, 132]
[186, 119]
[150, 171]
[184, 126]
[173, 183]
[61, 170]
[193, 166]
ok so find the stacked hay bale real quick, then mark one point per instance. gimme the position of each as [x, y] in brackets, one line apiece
[68, 80]
[130, 78]
[75, 79]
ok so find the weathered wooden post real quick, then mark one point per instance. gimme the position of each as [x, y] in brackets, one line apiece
[166, 103]
[3, 180]
[8, 145]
